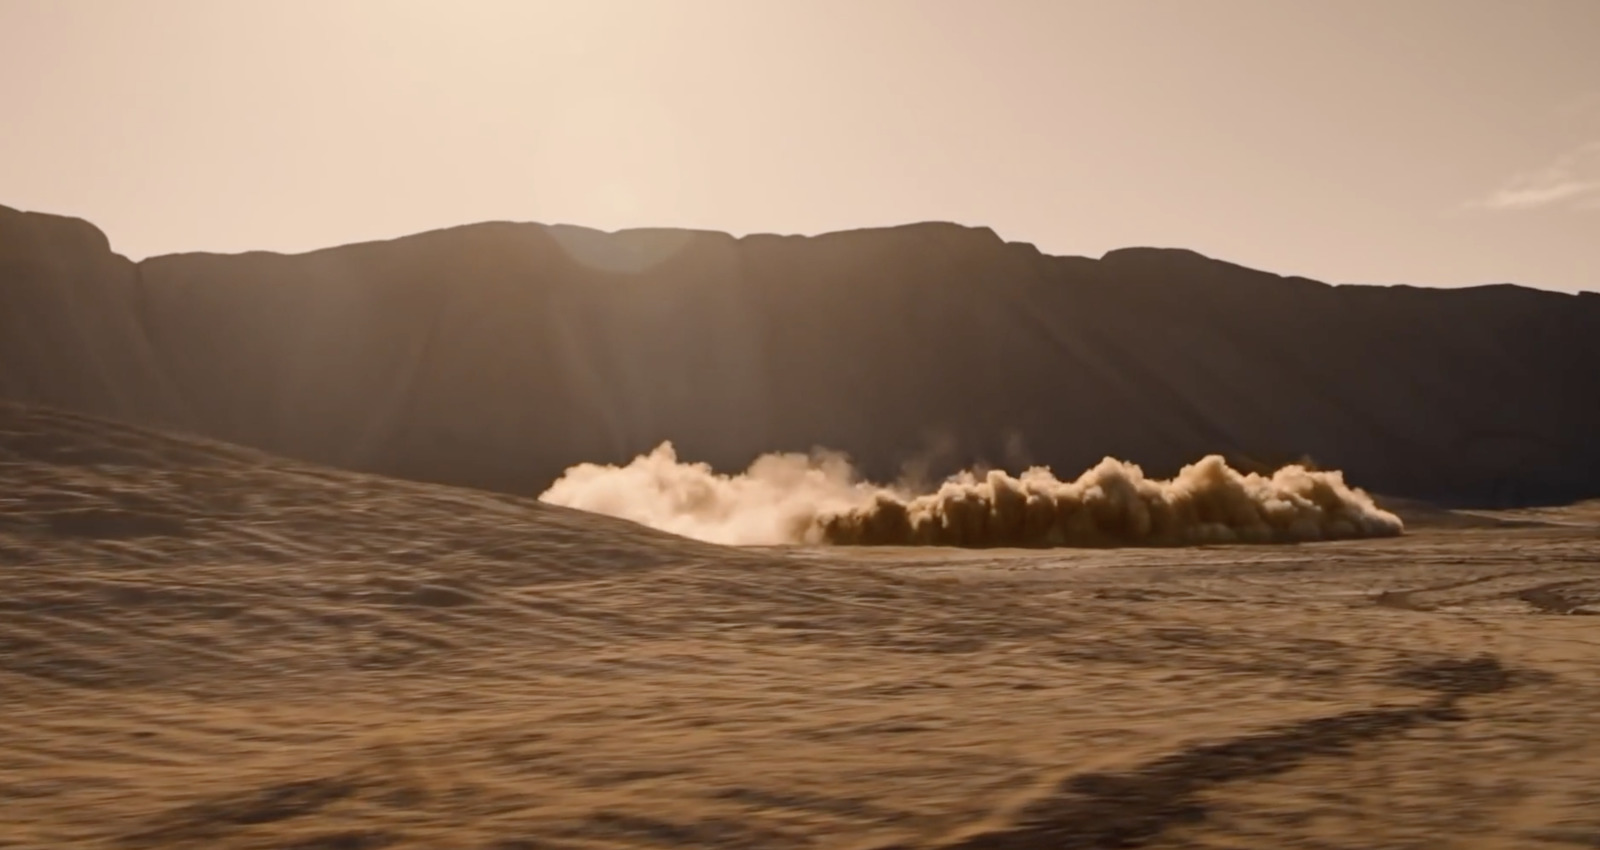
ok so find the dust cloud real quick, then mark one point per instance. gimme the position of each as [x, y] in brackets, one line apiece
[819, 499]
[781, 498]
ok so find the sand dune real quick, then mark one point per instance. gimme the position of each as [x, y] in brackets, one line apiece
[820, 498]
[498, 355]
[204, 646]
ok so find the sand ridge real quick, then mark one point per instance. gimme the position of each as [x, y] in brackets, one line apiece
[202, 645]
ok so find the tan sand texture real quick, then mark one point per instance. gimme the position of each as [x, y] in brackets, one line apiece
[204, 646]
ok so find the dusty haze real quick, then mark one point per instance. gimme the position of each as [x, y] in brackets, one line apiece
[274, 569]
[1436, 142]
[819, 498]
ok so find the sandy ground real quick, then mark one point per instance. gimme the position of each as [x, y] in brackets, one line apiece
[205, 647]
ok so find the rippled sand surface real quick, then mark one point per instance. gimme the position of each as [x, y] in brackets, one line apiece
[201, 646]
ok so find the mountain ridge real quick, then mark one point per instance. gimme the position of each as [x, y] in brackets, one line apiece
[496, 354]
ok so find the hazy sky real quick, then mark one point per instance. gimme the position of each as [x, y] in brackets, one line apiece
[1436, 142]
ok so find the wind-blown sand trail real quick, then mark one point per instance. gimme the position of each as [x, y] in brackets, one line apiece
[202, 646]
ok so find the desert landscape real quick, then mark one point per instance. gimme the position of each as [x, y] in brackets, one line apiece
[205, 646]
[824, 425]
[291, 563]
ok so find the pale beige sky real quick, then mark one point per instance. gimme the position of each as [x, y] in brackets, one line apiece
[1436, 142]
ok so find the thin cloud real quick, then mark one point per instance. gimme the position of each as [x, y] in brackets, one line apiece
[1571, 181]
[1530, 197]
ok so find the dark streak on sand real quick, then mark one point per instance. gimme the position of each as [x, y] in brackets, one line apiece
[1549, 598]
[1118, 810]
[214, 818]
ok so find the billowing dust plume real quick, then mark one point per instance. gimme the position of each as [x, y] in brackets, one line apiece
[781, 498]
[794, 498]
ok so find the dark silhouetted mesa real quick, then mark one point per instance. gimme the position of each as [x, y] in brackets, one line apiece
[496, 355]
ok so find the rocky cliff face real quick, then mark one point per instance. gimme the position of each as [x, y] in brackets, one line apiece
[495, 355]
[71, 322]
